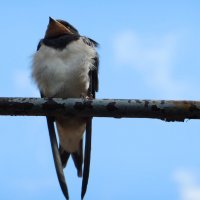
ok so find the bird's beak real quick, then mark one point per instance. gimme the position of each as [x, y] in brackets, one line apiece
[55, 29]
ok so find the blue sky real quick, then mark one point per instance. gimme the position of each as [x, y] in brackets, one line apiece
[148, 50]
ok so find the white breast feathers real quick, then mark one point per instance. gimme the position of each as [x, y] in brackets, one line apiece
[63, 73]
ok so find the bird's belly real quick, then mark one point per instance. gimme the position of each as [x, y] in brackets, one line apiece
[70, 131]
[72, 87]
[64, 80]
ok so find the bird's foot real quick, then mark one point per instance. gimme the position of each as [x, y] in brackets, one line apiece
[86, 97]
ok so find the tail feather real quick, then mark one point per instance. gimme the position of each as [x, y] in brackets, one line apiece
[77, 163]
[64, 156]
[87, 153]
[78, 159]
[56, 157]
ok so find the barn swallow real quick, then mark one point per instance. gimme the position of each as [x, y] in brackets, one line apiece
[65, 65]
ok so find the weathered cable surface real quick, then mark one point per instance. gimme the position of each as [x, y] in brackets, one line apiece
[168, 110]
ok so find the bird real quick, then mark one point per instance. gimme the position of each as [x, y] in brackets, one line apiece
[66, 65]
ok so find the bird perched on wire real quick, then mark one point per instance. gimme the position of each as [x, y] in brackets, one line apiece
[66, 66]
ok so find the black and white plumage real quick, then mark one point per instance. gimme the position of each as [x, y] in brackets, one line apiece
[66, 66]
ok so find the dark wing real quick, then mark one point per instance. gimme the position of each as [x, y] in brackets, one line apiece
[55, 151]
[39, 44]
[94, 81]
[93, 88]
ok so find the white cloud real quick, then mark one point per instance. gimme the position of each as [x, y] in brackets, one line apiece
[188, 184]
[152, 58]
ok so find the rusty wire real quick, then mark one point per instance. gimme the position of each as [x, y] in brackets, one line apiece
[168, 110]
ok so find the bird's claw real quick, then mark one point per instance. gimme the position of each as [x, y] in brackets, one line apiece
[88, 97]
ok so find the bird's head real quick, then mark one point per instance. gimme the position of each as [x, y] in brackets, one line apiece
[58, 28]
